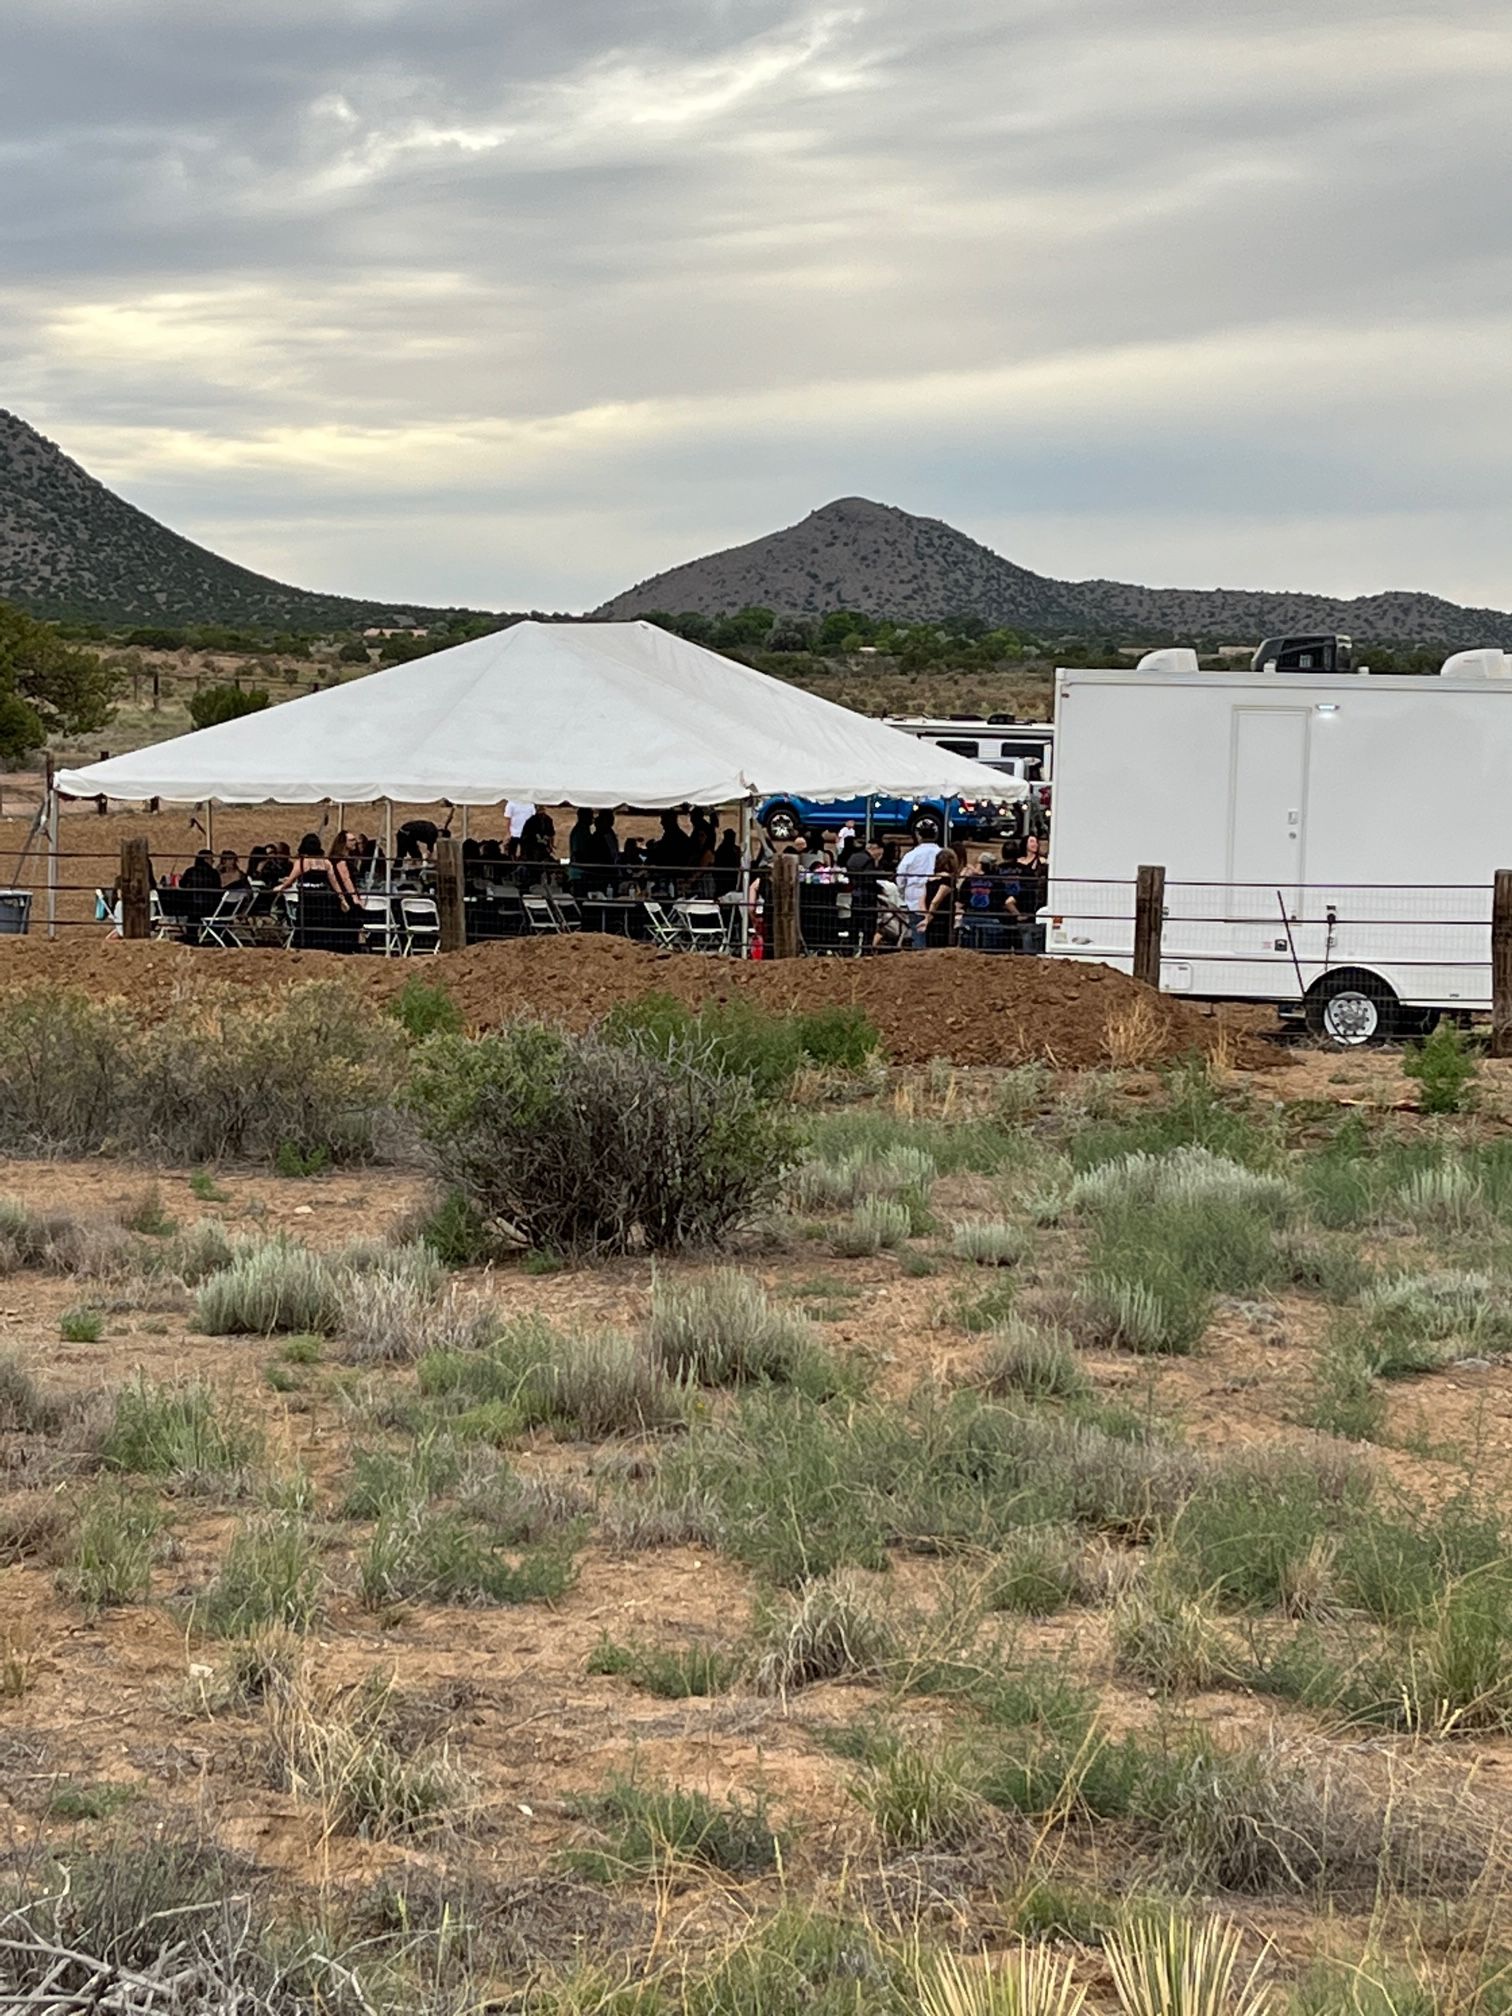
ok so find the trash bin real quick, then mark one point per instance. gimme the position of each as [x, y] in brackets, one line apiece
[15, 912]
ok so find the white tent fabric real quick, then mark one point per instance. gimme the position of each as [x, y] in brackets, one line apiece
[558, 713]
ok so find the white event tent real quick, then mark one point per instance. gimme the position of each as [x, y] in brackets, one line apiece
[596, 714]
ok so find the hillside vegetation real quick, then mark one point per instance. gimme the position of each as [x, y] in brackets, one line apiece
[854, 554]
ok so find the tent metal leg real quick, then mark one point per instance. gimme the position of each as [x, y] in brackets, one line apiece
[52, 860]
[745, 878]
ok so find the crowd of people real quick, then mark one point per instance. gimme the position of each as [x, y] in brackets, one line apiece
[927, 895]
[855, 894]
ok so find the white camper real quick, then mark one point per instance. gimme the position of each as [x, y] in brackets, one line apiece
[1329, 837]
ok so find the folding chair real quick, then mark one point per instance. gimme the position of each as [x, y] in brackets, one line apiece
[703, 924]
[419, 925]
[219, 928]
[566, 911]
[664, 929]
[378, 923]
[539, 914]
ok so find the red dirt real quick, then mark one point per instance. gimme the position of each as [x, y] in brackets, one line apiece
[962, 1006]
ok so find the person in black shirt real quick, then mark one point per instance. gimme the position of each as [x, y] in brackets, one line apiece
[863, 871]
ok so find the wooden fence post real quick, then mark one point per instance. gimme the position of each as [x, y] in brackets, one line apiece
[786, 943]
[1501, 964]
[136, 890]
[449, 895]
[1149, 916]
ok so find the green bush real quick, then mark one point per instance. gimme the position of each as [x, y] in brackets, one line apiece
[738, 1039]
[721, 1330]
[580, 1145]
[215, 704]
[656, 1828]
[270, 1575]
[1444, 1068]
[114, 1550]
[423, 1009]
[180, 1433]
[272, 1287]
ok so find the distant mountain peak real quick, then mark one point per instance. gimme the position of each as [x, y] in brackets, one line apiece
[854, 553]
[71, 547]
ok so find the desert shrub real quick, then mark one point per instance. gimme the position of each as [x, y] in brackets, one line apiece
[738, 1039]
[1037, 1572]
[645, 1828]
[455, 1232]
[25, 1408]
[832, 1629]
[423, 1556]
[900, 1174]
[269, 1287]
[1345, 1399]
[344, 1754]
[872, 1133]
[1452, 1675]
[922, 1797]
[240, 1078]
[1167, 1638]
[386, 1480]
[1029, 1982]
[179, 1433]
[199, 1250]
[876, 1224]
[1021, 1357]
[65, 1071]
[1188, 1176]
[1243, 1535]
[393, 1320]
[422, 1009]
[990, 1242]
[1196, 1112]
[1444, 1068]
[1404, 1312]
[579, 1145]
[114, 1549]
[722, 1330]
[1115, 1313]
[81, 1325]
[591, 1383]
[269, 1576]
[672, 1674]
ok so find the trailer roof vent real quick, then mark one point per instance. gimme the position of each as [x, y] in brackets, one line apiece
[1488, 664]
[1163, 663]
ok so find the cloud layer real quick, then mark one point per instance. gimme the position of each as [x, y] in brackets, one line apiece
[516, 304]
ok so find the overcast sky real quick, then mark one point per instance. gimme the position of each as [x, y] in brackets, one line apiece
[514, 302]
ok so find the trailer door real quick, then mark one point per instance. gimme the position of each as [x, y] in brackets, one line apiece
[1267, 794]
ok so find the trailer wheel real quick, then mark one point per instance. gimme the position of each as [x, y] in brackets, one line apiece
[783, 824]
[1351, 1008]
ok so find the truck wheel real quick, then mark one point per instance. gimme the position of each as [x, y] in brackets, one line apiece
[1351, 1008]
[783, 824]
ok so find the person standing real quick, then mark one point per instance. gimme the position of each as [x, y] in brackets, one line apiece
[914, 871]
[863, 872]
[940, 901]
[321, 920]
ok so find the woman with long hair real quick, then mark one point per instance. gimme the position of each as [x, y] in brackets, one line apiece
[940, 901]
[323, 911]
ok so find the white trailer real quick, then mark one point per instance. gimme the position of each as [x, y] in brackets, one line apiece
[1329, 838]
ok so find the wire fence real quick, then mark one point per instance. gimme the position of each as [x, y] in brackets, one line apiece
[1437, 934]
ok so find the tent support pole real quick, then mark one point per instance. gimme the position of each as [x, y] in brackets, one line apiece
[210, 824]
[745, 878]
[871, 813]
[464, 825]
[52, 853]
[388, 870]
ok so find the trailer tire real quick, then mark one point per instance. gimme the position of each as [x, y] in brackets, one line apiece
[1350, 1008]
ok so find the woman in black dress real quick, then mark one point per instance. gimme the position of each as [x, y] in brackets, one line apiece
[322, 919]
[940, 901]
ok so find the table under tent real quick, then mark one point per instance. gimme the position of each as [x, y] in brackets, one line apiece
[604, 716]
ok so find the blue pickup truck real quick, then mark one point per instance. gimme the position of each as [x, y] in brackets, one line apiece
[970, 818]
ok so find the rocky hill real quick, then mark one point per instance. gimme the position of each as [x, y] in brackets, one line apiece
[71, 548]
[854, 554]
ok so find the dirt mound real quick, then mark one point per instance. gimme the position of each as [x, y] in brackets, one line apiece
[963, 1006]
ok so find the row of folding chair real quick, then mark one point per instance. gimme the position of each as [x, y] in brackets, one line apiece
[695, 925]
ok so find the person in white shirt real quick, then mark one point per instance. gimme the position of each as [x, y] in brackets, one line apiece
[914, 871]
[516, 812]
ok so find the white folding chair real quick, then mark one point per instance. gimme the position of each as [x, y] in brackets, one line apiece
[419, 924]
[703, 924]
[219, 928]
[664, 929]
[539, 914]
[378, 923]
[565, 910]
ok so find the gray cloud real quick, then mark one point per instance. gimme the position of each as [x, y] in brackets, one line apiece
[514, 305]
